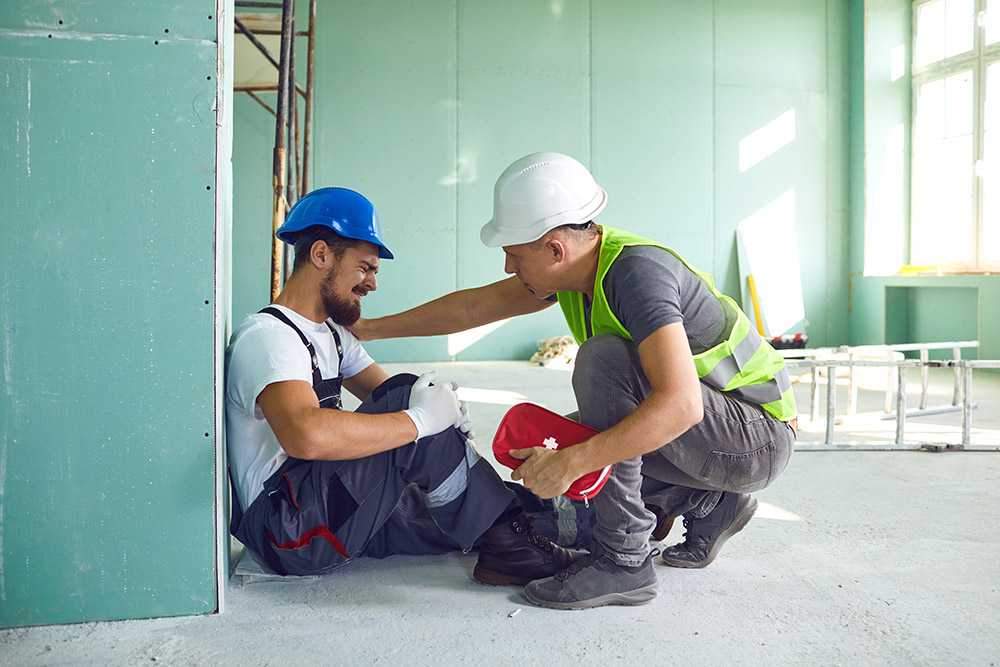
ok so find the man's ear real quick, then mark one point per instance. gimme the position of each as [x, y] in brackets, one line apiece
[320, 254]
[556, 249]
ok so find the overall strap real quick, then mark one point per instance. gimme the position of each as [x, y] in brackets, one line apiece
[317, 377]
[340, 348]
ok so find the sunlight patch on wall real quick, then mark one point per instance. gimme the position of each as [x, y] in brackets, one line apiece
[463, 340]
[767, 140]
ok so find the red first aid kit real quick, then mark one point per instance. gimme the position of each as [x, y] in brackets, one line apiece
[528, 425]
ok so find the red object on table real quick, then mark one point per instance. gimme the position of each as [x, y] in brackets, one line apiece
[528, 425]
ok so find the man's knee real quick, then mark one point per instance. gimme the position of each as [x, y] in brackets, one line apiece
[391, 395]
[599, 354]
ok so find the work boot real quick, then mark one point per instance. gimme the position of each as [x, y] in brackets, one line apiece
[704, 537]
[512, 553]
[595, 581]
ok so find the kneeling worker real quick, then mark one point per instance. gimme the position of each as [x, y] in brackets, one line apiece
[316, 485]
[694, 408]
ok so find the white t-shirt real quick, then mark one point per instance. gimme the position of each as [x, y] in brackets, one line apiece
[264, 350]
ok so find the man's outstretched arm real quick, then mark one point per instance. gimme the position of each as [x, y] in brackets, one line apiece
[307, 431]
[458, 311]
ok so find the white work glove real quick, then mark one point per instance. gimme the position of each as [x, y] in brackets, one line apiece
[433, 408]
[465, 420]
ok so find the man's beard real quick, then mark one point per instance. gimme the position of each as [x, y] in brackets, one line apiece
[342, 311]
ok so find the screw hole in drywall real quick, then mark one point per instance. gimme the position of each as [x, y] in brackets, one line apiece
[206, 302]
[208, 78]
[166, 30]
[208, 187]
[156, 42]
[209, 17]
[50, 36]
[60, 22]
[206, 435]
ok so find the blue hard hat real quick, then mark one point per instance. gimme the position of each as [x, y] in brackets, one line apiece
[346, 212]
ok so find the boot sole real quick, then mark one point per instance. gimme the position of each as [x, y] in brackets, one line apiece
[632, 598]
[494, 578]
[739, 524]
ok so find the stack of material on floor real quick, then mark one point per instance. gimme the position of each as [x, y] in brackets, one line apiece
[558, 352]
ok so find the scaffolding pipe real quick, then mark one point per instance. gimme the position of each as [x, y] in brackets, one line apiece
[814, 395]
[261, 102]
[293, 130]
[307, 130]
[259, 5]
[966, 404]
[900, 405]
[267, 54]
[831, 402]
[956, 356]
[264, 88]
[924, 377]
[279, 164]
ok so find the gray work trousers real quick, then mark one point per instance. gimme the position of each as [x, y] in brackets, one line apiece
[737, 447]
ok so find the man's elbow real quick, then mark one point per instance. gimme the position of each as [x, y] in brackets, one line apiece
[694, 410]
[302, 443]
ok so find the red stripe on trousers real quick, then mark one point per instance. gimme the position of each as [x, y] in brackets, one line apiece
[307, 537]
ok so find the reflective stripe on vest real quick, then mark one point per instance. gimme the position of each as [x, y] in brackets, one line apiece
[742, 364]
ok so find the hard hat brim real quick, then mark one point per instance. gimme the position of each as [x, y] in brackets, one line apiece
[289, 238]
[493, 236]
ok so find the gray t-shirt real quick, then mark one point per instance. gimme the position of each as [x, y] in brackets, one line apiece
[648, 288]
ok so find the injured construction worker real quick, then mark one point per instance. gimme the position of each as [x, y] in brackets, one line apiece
[316, 486]
[694, 408]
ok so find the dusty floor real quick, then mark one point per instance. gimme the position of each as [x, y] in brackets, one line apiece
[854, 558]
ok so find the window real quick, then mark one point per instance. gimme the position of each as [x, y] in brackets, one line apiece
[955, 212]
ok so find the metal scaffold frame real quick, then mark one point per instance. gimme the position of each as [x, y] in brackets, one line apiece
[286, 190]
[963, 387]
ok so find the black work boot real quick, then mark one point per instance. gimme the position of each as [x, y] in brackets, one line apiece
[595, 581]
[705, 537]
[512, 553]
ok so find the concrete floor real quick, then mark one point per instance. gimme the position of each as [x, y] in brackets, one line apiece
[853, 558]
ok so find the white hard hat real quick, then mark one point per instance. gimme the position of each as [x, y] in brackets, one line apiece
[540, 192]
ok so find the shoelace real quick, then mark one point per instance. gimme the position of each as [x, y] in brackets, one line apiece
[540, 541]
[692, 539]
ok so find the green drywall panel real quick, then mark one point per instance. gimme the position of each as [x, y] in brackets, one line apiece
[796, 171]
[932, 315]
[755, 85]
[107, 480]
[253, 143]
[385, 125]
[422, 109]
[771, 44]
[190, 19]
[522, 87]
[652, 121]
[934, 306]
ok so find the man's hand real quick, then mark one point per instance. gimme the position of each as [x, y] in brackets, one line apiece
[433, 408]
[547, 473]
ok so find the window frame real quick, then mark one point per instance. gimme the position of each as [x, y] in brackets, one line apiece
[978, 59]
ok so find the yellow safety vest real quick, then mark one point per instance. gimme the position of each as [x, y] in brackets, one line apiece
[743, 364]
